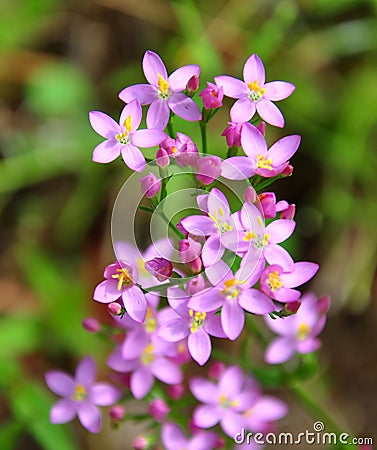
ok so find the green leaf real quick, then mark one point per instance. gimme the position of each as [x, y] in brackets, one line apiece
[9, 434]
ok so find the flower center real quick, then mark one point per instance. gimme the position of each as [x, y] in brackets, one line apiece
[124, 137]
[231, 290]
[256, 92]
[163, 87]
[303, 331]
[263, 162]
[148, 355]
[150, 323]
[274, 281]
[197, 320]
[80, 393]
[218, 217]
[226, 403]
[124, 278]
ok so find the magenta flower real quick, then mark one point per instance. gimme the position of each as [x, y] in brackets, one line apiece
[212, 96]
[232, 134]
[208, 169]
[259, 160]
[254, 95]
[195, 326]
[123, 138]
[173, 438]
[120, 282]
[224, 402]
[182, 149]
[297, 333]
[81, 395]
[163, 92]
[150, 185]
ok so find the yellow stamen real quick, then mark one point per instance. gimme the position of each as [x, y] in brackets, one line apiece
[174, 150]
[150, 322]
[80, 393]
[128, 124]
[148, 355]
[256, 92]
[163, 85]
[124, 278]
[303, 331]
[274, 281]
[198, 318]
[263, 162]
[249, 235]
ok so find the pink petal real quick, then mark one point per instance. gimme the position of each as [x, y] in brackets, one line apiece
[238, 168]
[302, 272]
[135, 303]
[253, 142]
[279, 230]
[232, 319]
[147, 138]
[253, 70]
[141, 382]
[184, 107]
[103, 124]
[280, 350]
[174, 330]
[231, 382]
[107, 291]
[106, 151]
[283, 149]
[256, 302]
[89, 416]
[243, 110]
[218, 272]
[158, 114]
[213, 327]
[286, 295]
[269, 409]
[202, 441]
[133, 157]
[166, 371]
[199, 225]
[199, 345]
[233, 240]
[212, 300]
[179, 78]
[172, 437]
[86, 372]
[309, 345]
[212, 250]
[204, 390]
[102, 394]
[283, 326]
[252, 219]
[135, 342]
[153, 65]
[63, 411]
[232, 87]
[116, 362]
[270, 113]
[230, 423]
[278, 90]
[145, 93]
[206, 416]
[275, 254]
[216, 200]
[60, 383]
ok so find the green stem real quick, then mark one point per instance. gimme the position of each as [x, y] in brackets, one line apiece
[162, 214]
[170, 126]
[203, 132]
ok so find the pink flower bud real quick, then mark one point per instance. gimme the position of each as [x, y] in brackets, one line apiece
[175, 391]
[193, 428]
[209, 169]
[250, 195]
[162, 158]
[181, 228]
[232, 134]
[220, 443]
[291, 308]
[212, 96]
[195, 285]
[150, 185]
[140, 443]
[262, 127]
[216, 369]
[182, 149]
[114, 308]
[188, 250]
[268, 203]
[158, 409]
[91, 324]
[192, 85]
[196, 265]
[323, 304]
[117, 413]
[288, 171]
[289, 212]
[160, 268]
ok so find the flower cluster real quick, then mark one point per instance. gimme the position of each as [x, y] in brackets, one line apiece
[179, 301]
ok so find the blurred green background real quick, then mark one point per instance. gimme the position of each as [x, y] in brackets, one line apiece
[59, 60]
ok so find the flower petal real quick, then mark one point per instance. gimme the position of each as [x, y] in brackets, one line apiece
[206, 416]
[103, 124]
[278, 90]
[252, 140]
[232, 319]
[243, 110]
[174, 330]
[145, 93]
[230, 423]
[238, 168]
[231, 381]
[106, 151]
[158, 114]
[184, 107]
[199, 225]
[141, 382]
[283, 149]
[253, 70]
[270, 113]
[199, 345]
[135, 343]
[133, 110]
[212, 300]
[107, 291]
[89, 416]
[180, 77]
[135, 303]
[213, 327]
[280, 350]
[63, 411]
[172, 437]
[302, 272]
[166, 371]
[86, 372]
[269, 409]
[279, 230]
[256, 302]
[147, 138]
[232, 87]
[133, 157]
[218, 272]
[103, 394]
[212, 250]
[60, 383]
[204, 390]
[152, 66]
[275, 254]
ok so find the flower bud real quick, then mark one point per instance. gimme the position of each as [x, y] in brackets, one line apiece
[117, 413]
[140, 443]
[288, 171]
[262, 127]
[192, 85]
[162, 158]
[268, 203]
[220, 443]
[150, 185]
[291, 308]
[209, 169]
[232, 134]
[212, 96]
[196, 265]
[216, 369]
[158, 409]
[175, 391]
[250, 195]
[91, 324]
[114, 308]
[195, 285]
[160, 268]
[323, 304]
[189, 250]
[289, 212]
[181, 228]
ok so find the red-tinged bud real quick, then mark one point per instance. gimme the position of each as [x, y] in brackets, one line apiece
[195, 285]
[162, 158]
[160, 268]
[291, 308]
[193, 428]
[140, 443]
[324, 304]
[182, 229]
[250, 195]
[117, 413]
[196, 265]
[192, 85]
[212, 96]
[262, 128]
[150, 185]
[158, 409]
[288, 213]
[216, 369]
[91, 324]
[176, 391]
[220, 443]
[268, 203]
[288, 171]
[189, 250]
[209, 169]
[114, 308]
[232, 134]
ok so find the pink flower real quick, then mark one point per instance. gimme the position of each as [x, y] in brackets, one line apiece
[173, 438]
[208, 169]
[81, 395]
[182, 149]
[150, 185]
[232, 134]
[163, 92]
[123, 138]
[298, 332]
[254, 95]
[160, 268]
[212, 96]
[158, 409]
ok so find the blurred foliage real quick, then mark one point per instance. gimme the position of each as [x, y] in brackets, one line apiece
[60, 59]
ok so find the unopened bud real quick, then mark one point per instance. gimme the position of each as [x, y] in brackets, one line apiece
[158, 409]
[114, 308]
[323, 304]
[288, 213]
[160, 268]
[232, 134]
[250, 195]
[262, 127]
[140, 443]
[287, 172]
[192, 85]
[91, 324]
[175, 391]
[220, 443]
[162, 158]
[209, 169]
[291, 308]
[117, 413]
[268, 203]
[216, 369]
[150, 185]
[196, 265]
[195, 285]
[212, 96]
[189, 250]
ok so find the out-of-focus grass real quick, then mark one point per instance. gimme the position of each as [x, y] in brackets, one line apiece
[58, 60]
